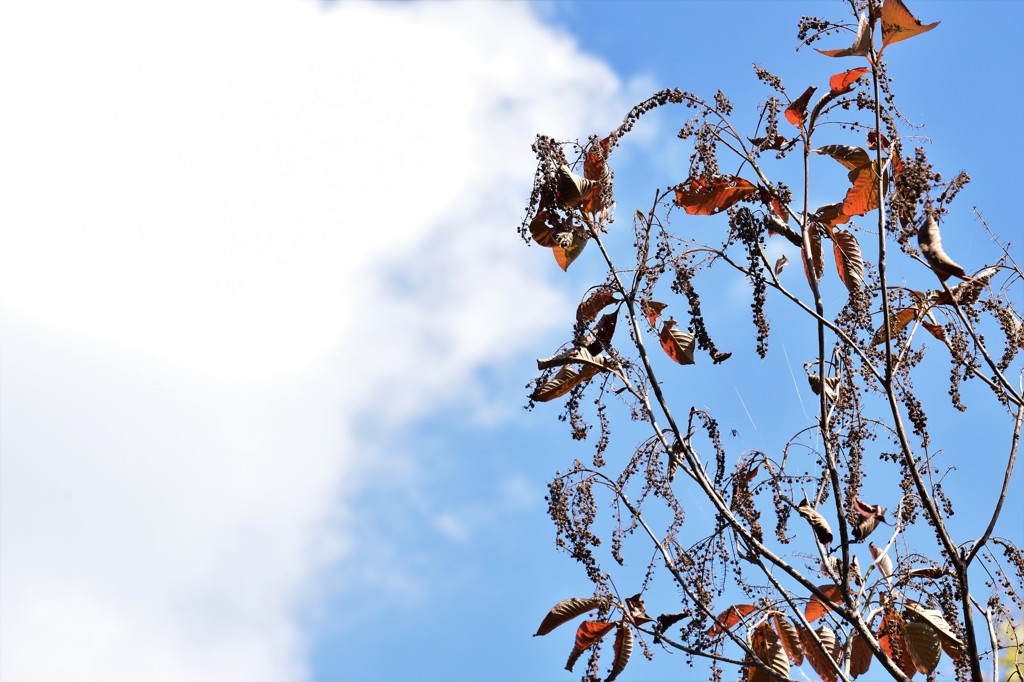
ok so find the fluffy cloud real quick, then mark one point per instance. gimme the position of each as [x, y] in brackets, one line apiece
[235, 235]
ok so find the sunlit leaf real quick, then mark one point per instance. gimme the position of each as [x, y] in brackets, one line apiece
[893, 643]
[568, 249]
[842, 81]
[789, 637]
[777, 143]
[860, 656]
[871, 515]
[768, 648]
[581, 356]
[599, 298]
[816, 608]
[967, 292]
[797, 111]
[831, 215]
[777, 212]
[849, 262]
[566, 610]
[637, 609]
[595, 166]
[678, 344]
[541, 230]
[863, 195]
[701, 196]
[899, 24]
[924, 645]
[818, 523]
[831, 386]
[930, 241]
[930, 572]
[623, 649]
[873, 140]
[861, 43]
[936, 330]
[730, 617]
[816, 256]
[652, 309]
[821, 661]
[564, 381]
[882, 559]
[589, 633]
[897, 322]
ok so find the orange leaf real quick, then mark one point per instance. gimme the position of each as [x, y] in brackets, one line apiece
[936, 330]
[771, 202]
[873, 141]
[623, 649]
[899, 321]
[678, 344]
[594, 166]
[863, 196]
[861, 43]
[541, 229]
[831, 215]
[589, 633]
[699, 196]
[849, 262]
[899, 24]
[860, 656]
[652, 309]
[565, 255]
[729, 617]
[843, 81]
[588, 310]
[564, 381]
[797, 111]
[816, 608]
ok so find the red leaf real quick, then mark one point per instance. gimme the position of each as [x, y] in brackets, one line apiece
[796, 111]
[899, 24]
[843, 81]
[863, 196]
[729, 617]
[699, 196]
[831, 215]
[774, 205]
[589, 633]
[678, 344]
[588, 310]
[816, 608]
[873, 141]
[623, 649]
[849, 262]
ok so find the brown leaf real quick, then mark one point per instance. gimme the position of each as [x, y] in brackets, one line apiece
[597, 301]
[777, 211]
[816, 608]
[924, 645]
[936, 330]
[863, 529]
[893, 643]
[603, 332]
[652, 309]
[852, 158]
[930, 241]
[899, 24]
[541, 230]
[700, 196]
[763, 143]
[637, 609]
[770, 651]
[568, 248]
[871, 515]
[678, 344]
[816, 256]
[589, 633]
[820, 660]
[849, 261]
[863, 195]
[789, 636]
[594, 163]
[965, 293]
[831, 215]
[843, 81]
[861, 43]
[782, 262]
[934, 619]
[882, 559]
[860, 656]
[576, 356]
[730, 617]
[873, 140]
[831, 386]
[818, 523]
[573, 190]
[563, 382]
[897, 322]
[930, 572]
[797, 111]
[566, 610]
[623, 649]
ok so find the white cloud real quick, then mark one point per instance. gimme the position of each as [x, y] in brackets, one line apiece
[234, 235]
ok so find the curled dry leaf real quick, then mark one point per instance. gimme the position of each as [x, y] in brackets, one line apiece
[589, 633]
[704, 196]
[861, 43]
[573, 356]
[541, 230]
[623, 649]
[599, 298]
[893, 642]
[822, 531]
[930, 241]
[849, 262]
[678, 344]
[871, 515]
[852, 158]
[637, 609]
[929, 572]
[568, 248]
[573, 190]
[831, 386]
[789, 637]
[797, 111]
[730, 617]
[564, 381]
[967, 292]
[816, 608]
[782, 262]
[845, 80]
[882, 560]
[816, 257]
[936, 330]
[899, 24]
[566, 610]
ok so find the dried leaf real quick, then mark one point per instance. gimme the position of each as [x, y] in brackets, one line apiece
[604, 330]
[871, 515]
[849, 262]
[924, 645]
[595, 303]
[860, 656]
[899, 24]
[797, 111]
[873, 140]
[637, 609]
[843, 81]
[967, 292]
[830, 215]
[831, 386]
[882, 560]
[863, 196]
[782, 262]
[766, 645]
[678, 344]
[936, 330]
[763, 143]
[930, 572]
[930, 241]
[894, 644]
[589, 633]
[861, 43]
[573, 190]
[700, 196]
[652, 309]
[822, 662]
[730, 617]
[623, 649]
[563, 382]
[576, 355]
[568, 248]
[815, 256]
[852, 158]
[934, 619]
[541, 230]
[566, 610]
[789, 636]
[818, 523]
[816, 608]
[898, 322]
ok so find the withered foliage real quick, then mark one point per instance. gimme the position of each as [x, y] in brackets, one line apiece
[849, 586]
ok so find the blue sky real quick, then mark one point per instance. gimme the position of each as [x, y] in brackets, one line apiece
[266, 322]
